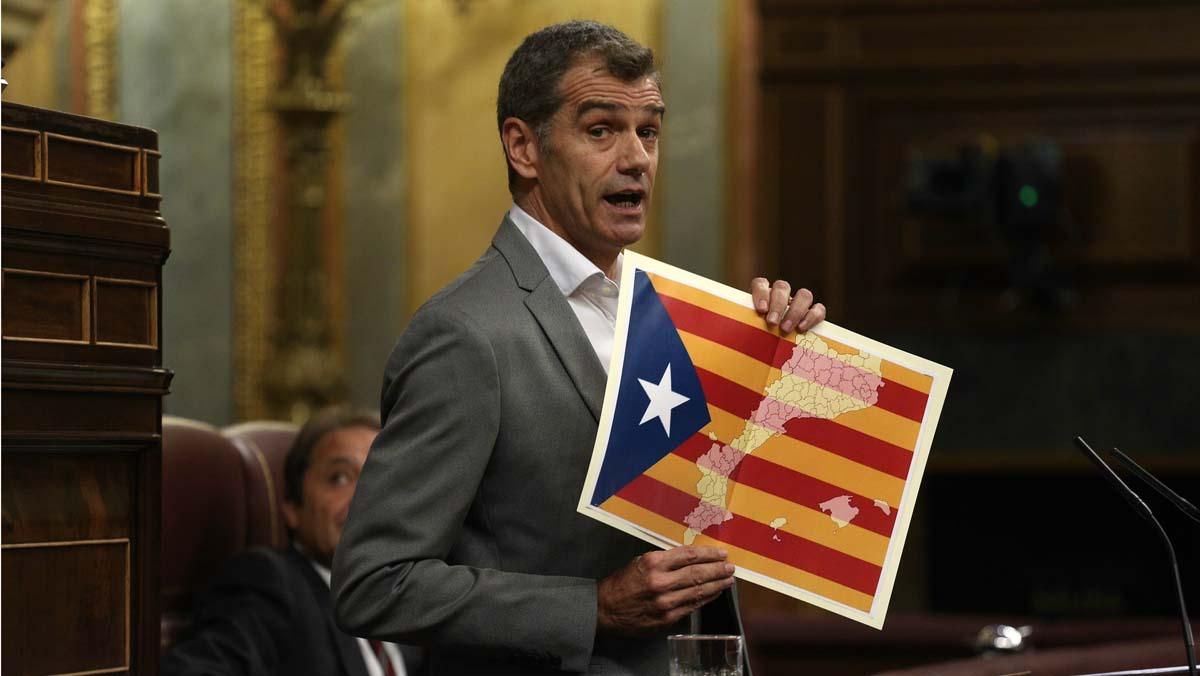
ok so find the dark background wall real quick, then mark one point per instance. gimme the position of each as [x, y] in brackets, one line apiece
[1011, 189]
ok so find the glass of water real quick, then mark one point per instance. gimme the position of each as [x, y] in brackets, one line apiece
[705, 655]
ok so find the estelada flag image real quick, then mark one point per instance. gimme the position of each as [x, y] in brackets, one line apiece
[800, 454]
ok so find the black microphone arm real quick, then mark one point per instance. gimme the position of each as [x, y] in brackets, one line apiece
[1171, 496]
[1143, 510]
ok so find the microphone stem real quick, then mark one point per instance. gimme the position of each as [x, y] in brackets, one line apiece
[1188, 641]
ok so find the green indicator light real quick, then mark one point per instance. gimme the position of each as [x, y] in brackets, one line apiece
[1028, 196]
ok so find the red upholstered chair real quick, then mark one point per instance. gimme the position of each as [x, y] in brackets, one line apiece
[263, 446]
[221, 493]
[203, 514]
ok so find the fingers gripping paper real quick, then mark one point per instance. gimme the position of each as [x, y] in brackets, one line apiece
[800, 455]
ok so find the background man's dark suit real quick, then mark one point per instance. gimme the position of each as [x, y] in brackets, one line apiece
[268, 612]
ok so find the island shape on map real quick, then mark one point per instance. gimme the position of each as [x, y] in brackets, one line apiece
[815, 382]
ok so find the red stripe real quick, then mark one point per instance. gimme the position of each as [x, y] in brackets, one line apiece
[769, 348]
[826, 434]
[791, 550]
[757, 343]
[793, 486]
[902, 400]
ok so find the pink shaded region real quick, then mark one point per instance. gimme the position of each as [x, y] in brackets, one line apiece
[772, 414]
[706, 514]
[721, 459]
[834, 374]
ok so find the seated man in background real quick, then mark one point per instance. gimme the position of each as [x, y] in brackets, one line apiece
[269, 611]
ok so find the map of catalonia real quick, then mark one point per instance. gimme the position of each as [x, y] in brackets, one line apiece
[815, 382]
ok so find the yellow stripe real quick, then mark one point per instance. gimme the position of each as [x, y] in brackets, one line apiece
[747, 316]
[812, 461]
[691, 294]
[802, 520]
[728, 362]
[883, 424]
[917, 381]
[743, 557]
[755, 375]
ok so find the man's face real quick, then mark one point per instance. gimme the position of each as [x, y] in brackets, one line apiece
[596, 170]
[329, 484]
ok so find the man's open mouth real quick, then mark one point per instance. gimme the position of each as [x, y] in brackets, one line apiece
[626, 200]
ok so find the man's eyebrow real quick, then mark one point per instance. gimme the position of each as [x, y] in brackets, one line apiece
[603, 104]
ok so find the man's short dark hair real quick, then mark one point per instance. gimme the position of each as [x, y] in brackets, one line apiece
[529, 85]
[320, 425]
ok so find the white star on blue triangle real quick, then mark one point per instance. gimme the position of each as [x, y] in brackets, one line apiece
[662, 400]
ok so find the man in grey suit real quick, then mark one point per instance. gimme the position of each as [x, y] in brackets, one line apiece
[463, 534]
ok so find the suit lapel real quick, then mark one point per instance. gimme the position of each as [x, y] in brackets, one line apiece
[348, 652]
[552, 312]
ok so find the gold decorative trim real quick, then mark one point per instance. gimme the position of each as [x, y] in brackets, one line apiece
[99, 48]
[136, 182]
[39, 167]
[128, 598]
[254, 258]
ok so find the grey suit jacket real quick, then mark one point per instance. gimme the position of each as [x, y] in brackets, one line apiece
[463, 533]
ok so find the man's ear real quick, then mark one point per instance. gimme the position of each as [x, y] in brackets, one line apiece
[521, 146]
[291, 515]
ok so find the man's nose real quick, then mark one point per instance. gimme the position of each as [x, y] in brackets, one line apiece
[634, 158]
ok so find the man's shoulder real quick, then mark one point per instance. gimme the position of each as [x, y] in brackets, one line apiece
[486, 292]
[263, 567]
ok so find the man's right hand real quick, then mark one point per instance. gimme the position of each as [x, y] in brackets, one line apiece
[658, 589]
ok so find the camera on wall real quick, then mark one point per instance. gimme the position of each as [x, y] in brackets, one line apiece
[1010, 192]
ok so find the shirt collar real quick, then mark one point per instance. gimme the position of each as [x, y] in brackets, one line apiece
[568, 268]
[321, 570]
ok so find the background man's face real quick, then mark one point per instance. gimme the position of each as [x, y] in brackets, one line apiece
[329, 484]
[598, 170]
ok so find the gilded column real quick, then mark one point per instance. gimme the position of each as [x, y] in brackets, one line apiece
[255, 258]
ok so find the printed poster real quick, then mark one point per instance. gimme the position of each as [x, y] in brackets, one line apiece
[800, 455]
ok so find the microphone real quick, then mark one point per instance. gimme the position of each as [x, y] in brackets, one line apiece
[1144, 511]
[1174, 498]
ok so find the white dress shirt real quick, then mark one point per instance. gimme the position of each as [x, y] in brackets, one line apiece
[589, 292]
[374, 668]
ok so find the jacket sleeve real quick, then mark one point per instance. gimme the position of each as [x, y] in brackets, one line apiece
[391, 580]
[241, 626]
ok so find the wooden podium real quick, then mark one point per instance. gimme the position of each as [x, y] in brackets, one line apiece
[83, 249]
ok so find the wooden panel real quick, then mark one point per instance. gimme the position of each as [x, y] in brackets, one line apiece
[150, 173]
[46, 306]
[33, 411]
[1127, 222]
[82, 163]
[79, 619]
[1111, 177]
[22, 154]
[1004, 35]
[81, 420]
[802, 161]
[67, 496]
[126, 313]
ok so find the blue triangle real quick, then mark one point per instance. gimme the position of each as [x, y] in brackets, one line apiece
[651, 343]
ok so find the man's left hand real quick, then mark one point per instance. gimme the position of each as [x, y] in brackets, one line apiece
[789, 312]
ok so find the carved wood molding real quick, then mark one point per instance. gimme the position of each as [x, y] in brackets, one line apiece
[86, 377]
